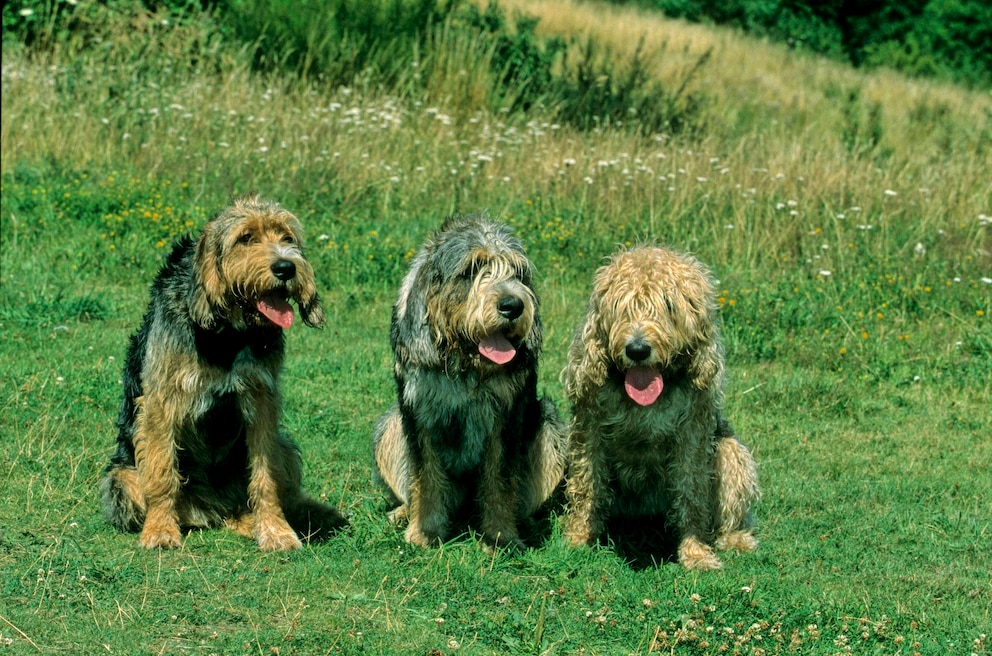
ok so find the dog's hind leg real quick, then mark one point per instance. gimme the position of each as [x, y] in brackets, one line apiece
[122, 499]
[736, 491]
[392, 462]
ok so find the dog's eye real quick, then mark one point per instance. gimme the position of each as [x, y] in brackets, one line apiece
[245, 238]
[288, 239]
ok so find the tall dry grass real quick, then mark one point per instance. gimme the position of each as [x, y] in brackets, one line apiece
[794, 146]
[748, 74]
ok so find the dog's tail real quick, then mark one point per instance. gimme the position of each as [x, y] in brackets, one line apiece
[312, 520]
[121, 497]
[392, 457]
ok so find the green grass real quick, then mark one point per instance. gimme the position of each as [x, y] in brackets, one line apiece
[858, 363]
[874, 519]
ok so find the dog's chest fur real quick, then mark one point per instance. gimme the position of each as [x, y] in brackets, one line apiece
[245, 375]
[641, 443]
[223, 363]
[459, 415]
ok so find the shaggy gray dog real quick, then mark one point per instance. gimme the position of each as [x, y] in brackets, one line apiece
[468, 429]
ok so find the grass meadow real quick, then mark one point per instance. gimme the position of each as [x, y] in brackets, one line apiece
[846, 214]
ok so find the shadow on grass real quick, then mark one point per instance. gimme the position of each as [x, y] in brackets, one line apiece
[642, 542]
[534, 531]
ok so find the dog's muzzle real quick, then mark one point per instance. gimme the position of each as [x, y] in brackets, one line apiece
[510, 307]
[283, 270]
[643, 383]
[638, 350]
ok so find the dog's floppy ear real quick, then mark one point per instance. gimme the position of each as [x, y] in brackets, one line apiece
[587, 359]
[411, 335]
[207, 295]
[535, 338]
[706, 368]
[702, 318]
[312, 311]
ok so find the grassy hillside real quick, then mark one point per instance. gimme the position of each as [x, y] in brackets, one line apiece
[847, 216]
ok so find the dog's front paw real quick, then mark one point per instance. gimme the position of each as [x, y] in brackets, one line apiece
[578, 532]
[160, 531]
[160, 540]
[693, 554]
[243, 524]
[742, 541]
[277, 538]
[579, 538]
[399, 516]
[420, 538]
[509, 543]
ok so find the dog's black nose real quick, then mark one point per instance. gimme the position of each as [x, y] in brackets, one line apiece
[510, 307]
[638, 350]
[283, 270]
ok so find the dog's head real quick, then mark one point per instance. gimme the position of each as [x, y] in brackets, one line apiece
[652, 320]
[469, 288]
[249, 263]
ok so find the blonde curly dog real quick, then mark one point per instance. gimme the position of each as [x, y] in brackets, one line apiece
[648, 437]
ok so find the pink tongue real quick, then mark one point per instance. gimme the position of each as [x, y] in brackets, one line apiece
[497, 348]
[276, 310]
[643, 385]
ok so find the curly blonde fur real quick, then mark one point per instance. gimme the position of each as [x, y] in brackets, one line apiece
[645, 381]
